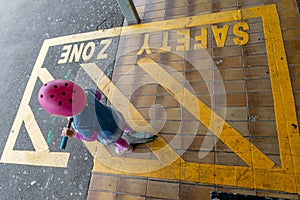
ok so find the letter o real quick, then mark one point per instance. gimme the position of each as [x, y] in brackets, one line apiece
[88, 55]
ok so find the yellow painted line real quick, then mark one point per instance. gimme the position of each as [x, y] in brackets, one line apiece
[200, 20]
[35, 134]
[113, 32]
[48, 159]
[282, 91]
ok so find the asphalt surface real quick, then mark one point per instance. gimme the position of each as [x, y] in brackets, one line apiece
[24, 26]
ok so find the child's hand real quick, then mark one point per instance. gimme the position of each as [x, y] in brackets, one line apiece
[68, 132]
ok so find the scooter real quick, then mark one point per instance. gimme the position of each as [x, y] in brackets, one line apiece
[64, 140]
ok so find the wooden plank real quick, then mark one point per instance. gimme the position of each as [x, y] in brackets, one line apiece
[224, 4]
[292, 45]
[292, 23]
[201, 87]
[130, 41]
[171, 127]
[126, 60]
[226, 158]
[246, 2]
[234, 86]
[296, 83]
[176, 65]
[190, 126]
[258, 85]
[123, 69]
[129, 79]
[228, 62]
[175, 4]
[263, 129]
[256, 60]
[235, 99]
[197, 9]
[196, 76]
[241, 126]
[172, 114]
[192, 2]
[199, 53]
[193, 156]
[290, 34]
[143, 101]
[295, 70]
[231, 74]
[267, 145]
[156, 6]
[286, 4]
[257, 72]
[167, 101]
[170, 57]
[254, 49]
[288, 13]
[144, 89]
[182, 11]
[260, 99]
[227, 51]
[293, 57]
[262, 113]
[235, 113]
[154, 14]
[297, 98]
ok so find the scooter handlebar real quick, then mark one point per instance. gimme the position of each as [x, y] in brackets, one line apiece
[64, 140]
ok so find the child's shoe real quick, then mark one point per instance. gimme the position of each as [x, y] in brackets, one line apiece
[124, 151]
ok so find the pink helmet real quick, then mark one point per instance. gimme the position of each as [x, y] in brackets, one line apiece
[62, 97]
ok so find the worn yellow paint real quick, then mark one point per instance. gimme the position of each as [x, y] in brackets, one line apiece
[190, 171]
[261, 172]
[283, 95]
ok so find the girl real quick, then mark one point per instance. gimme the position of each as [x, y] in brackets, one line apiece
[92, 119]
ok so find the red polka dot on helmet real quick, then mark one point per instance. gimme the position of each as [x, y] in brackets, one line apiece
[62, 97]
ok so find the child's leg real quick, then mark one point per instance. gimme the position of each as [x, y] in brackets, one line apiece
[127, 129]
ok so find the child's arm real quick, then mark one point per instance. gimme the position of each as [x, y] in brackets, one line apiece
[70, 132]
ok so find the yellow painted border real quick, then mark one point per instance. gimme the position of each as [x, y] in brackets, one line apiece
[269, 177]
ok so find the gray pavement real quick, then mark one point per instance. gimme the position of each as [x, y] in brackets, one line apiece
[24, 26]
